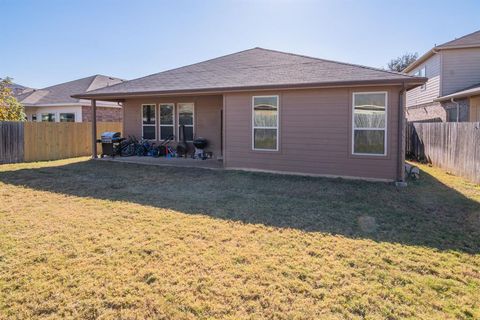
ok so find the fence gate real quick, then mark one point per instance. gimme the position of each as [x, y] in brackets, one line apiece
[11, 141]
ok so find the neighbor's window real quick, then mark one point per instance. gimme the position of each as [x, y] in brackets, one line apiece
[67, 117]
[149, 118]
[34, 117]
[186, 117]
[369, 123]
[452, 115]
[421, 73]
[48, 117]
[265, 123]
[166, 121]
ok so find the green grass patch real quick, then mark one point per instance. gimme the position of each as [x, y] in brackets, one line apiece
[88, 239]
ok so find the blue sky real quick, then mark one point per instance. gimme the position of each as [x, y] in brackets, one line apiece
[47, 42]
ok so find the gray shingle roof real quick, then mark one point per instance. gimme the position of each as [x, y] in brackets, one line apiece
[61, 93]
[254, 68]
[471, 39]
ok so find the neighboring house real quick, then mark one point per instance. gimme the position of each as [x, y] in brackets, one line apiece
[273, 111]
[19, 89]
[55, 104]
[453, 72]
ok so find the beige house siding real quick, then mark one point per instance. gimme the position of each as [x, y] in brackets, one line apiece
[461, 68]
[475, 109]
[418, 96]
[207, 117]
[315, 134]
[29, 112]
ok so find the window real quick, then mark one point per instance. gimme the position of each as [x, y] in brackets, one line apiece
[67, 117]
[149, 119]
[48, 117]
[421, 73]
[265, 123]
[34, 117]
[186, 117]
[369, 132]
[167, 120]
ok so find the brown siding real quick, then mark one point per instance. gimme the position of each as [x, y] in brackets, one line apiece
[207, 117]
[315, 135]
[475, 109]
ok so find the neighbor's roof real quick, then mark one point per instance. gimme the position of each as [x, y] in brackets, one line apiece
[18, 88]
[471, 40]
[60, 94]
[252, 69]
[466, 92]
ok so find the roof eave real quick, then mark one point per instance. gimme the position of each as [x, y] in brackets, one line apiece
[420, 60]
[458, 95]
[434, 50]
[70, 104]
[119, 96]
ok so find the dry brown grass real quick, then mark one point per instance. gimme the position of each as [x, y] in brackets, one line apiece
[79, 241]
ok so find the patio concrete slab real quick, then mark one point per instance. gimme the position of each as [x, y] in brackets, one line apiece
[173, 162]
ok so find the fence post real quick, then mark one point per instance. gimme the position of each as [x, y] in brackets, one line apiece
[94, 129]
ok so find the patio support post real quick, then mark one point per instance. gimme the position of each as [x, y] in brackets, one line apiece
[94, 128]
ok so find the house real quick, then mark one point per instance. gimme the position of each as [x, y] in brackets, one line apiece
[272, 111]
[55, 104]
[453, 88]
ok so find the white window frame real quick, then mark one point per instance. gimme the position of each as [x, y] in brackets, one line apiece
[60, 116]
[277, 124]
[370, 129]
[189, 125]
[418, 73]
[160, 125]
[149, 125]
[55, 116]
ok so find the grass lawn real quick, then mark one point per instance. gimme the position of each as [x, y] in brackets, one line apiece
[89, 239]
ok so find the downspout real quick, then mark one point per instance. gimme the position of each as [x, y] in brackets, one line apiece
[458, 107]
[401, 139]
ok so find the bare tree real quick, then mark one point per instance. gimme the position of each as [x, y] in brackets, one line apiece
[399, 64]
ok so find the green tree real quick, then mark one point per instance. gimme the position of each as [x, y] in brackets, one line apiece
[399, 64]
[10, 108]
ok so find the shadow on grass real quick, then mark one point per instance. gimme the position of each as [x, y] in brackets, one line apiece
[427, 213]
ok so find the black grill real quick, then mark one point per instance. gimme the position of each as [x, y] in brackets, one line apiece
[110, 141]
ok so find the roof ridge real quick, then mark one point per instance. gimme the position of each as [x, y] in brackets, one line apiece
[95, 77]
[339, 62]
[456, 39]
[188, 65]
[263, 49]
[56, 85]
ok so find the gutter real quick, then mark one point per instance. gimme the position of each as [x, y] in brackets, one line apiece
[421, 60]
[458, 107]
[401, 139]
[413, 81]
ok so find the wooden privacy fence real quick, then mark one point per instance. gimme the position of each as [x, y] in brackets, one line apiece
[37, 141]
[451, 146]
[11, 141]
